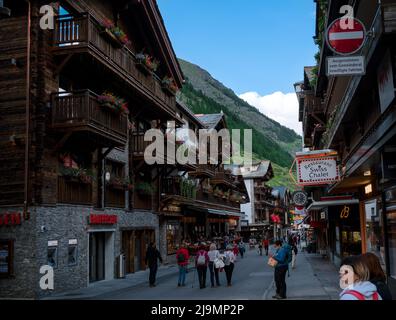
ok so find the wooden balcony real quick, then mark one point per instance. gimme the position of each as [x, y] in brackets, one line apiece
[173, 186]
[389, 13]
[138, 144]
[81, 112]
[85, 35]
[224, 179]
[74, 192]
[202, 171]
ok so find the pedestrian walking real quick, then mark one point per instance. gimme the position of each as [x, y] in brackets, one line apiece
[354, 280]
[294, 253]
[229, 262]
[281, 256]
[152, 257]
[260, 248]
[377, 275]
[214, 266]
[266, 246]
[201, 263]
[241, 248]
[182, 256]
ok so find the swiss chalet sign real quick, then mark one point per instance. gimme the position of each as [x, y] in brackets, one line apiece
[317, 170]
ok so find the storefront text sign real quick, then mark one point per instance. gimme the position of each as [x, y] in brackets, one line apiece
[102, 219]
[317, 171]
[10, 219]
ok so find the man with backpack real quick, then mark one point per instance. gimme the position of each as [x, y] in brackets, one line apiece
[201, 263]
[182, 257]
[283, 256]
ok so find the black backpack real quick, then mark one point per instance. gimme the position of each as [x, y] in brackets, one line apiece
[181, 258]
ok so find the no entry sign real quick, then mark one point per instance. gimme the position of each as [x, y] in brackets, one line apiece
[344, 38]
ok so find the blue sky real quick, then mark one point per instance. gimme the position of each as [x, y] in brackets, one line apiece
[258, 46]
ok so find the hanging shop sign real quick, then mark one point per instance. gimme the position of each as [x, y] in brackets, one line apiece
[102, 219]
[10, 219]
[317, 171]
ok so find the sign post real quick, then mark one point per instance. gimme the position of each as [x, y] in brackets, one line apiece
[346, 40]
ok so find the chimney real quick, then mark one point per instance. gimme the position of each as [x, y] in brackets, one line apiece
[4, 12]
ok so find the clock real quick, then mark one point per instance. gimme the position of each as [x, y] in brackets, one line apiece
[300, 198]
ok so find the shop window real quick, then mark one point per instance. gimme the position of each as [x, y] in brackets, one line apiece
[172, 232]
[52, 256]
[72, 255]
[391, 223]
[374, 228]
[6, 258]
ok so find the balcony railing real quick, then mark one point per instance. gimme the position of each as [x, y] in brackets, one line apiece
[77, 34]
[223, 178]
[74, 192]
[81, 111]
[202, 170]
[179, 187]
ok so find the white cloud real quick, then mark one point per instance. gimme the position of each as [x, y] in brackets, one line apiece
[279, 106]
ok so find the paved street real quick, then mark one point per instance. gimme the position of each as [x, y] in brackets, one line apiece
[314, 278]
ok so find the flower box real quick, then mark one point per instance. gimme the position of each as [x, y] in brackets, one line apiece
[169, 86]
[146, 63]
[112, 38]
[111, 102]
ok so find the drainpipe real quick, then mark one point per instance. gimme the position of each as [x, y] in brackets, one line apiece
[26, 214]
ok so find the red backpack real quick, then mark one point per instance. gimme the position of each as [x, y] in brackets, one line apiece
[360, 296]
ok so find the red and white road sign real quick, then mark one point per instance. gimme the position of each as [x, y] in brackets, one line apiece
[343, 40]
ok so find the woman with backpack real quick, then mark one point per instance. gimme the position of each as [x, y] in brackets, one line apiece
[377, 275]
[354, 279]
[229, 260]
[214, 255]
[182, 257]
[201, 263]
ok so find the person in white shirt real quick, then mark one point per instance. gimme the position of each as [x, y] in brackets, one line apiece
[229, 260]
[214, 255]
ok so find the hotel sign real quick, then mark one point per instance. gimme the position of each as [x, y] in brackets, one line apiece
[317, 171]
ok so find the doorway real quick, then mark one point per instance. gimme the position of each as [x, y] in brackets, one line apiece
[101, 256]
[134, 246]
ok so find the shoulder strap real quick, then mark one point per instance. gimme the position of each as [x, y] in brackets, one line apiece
[356, 294]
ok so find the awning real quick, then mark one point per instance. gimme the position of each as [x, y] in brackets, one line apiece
[317, 205]
[225, 213]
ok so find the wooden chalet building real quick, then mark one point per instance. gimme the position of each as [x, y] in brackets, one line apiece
[75, 103]
[356, 116]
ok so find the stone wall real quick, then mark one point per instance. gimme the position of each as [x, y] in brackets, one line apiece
[61, 223]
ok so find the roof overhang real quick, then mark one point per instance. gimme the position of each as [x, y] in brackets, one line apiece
[317, 205]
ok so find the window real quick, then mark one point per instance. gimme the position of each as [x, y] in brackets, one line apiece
[52, 256]
[6, 258]
[172, 237]
[72, 255]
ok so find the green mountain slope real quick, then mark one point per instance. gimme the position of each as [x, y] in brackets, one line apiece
[272, 141]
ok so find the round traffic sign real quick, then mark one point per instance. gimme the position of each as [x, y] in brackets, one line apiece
[345, 39]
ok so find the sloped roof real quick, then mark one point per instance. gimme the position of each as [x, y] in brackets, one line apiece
[309, 74]
[187, 110]
[263, 169]
[210, 121]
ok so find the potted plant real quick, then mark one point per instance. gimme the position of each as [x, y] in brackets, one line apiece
[144, 188]
[147, 63]
[114, 34]
[110, 101]
[169, 85]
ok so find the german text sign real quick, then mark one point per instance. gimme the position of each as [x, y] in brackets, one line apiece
[317, 171]
[346, 66]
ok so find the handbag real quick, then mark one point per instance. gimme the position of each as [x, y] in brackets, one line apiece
[272, 262]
